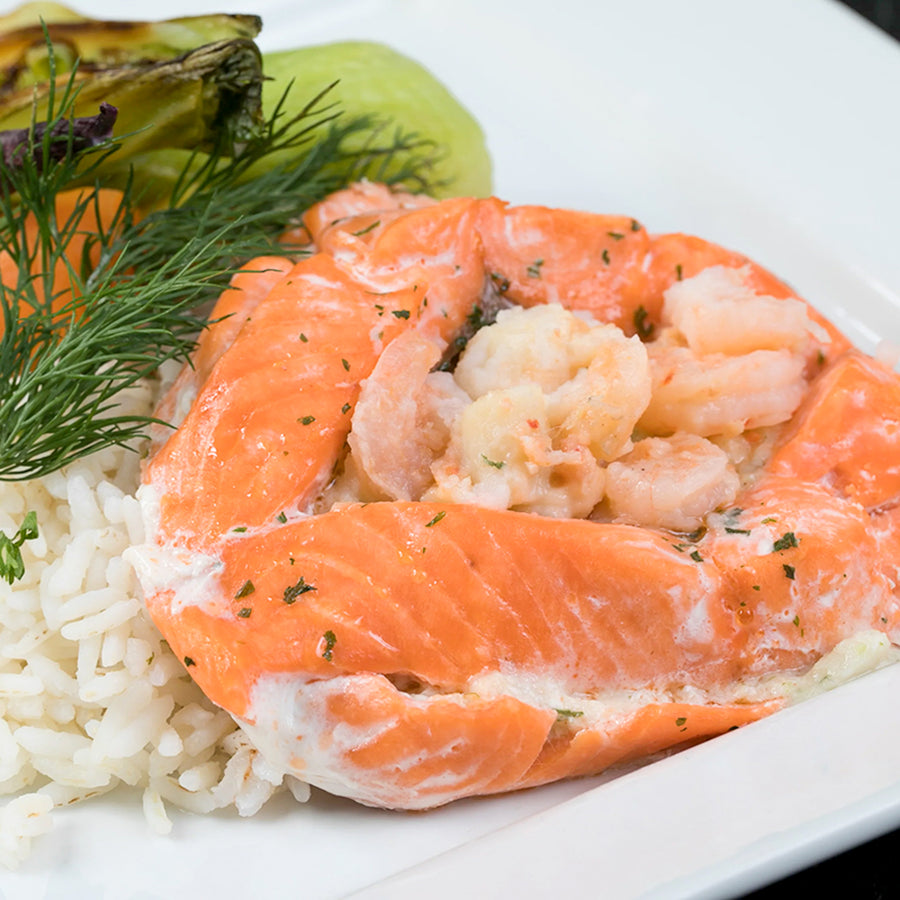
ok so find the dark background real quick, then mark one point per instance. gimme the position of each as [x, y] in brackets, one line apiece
[872, 871]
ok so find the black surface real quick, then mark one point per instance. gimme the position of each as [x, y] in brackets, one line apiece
[871, 871]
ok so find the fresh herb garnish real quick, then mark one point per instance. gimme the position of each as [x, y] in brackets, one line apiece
[789, 571]
[494, 463]
[400, 313]
[501, 283]
[245, 612]
[642, 327]
[127, 303]
[785, 542]
[569, 713]
[12, 566]
[292, 592]
[247, 589]
[330, 640]
[306, 420]
[534, 270]
[436, 519]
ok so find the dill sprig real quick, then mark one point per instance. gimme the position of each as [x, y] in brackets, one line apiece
[130, 300]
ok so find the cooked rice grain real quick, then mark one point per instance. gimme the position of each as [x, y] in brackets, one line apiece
[91, 695]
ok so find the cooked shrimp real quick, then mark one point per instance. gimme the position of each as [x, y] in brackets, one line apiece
[410, 652]
[721, 395]
[672, 483]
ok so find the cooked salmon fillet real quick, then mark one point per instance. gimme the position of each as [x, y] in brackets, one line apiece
[409, 652]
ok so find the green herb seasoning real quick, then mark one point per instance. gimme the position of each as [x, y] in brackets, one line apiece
[304, 338]
[730, 530]
[292, 592]
[307, 420]
[494, 463]
[501, 283]
[789, 571]
[679, 272]
[436, 519]
[605, 256]
[635, 225]
[696, 557]
[240, 529]
[681, 720]
[345, 408]
[569, 713]
[189, 662]
[282, 517]
[615, 235]
[12, 566]
[642, 327]
[785, 542]
[245, 612]
[346, 365]
[246, 590]
[330, 640]
[534, 270]
[400, 313]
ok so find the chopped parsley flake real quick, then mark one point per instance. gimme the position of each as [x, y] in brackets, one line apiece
[796, 621]
[569, 713]
[730, 530]
[330, 640]
[346, 365]
[240, 529]
[189, 662]
[501, 282]
[605, 256]
[635, 225]
[245, 612]
[345, 408]
[789, 571]
[534, 270]
[642, 327]
[292, 592]
[681, 720]
[696, 557]
[304, 338]
[679, 272]
[436, 519]
[380, 309]
[785, 542]
[756, 587]
[615, 235]
[307, 420]
[400, 313]
[497, 464]
[282, 517]
[246, 590]
[768, 520]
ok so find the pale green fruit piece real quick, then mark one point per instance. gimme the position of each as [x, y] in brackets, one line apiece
[373, 78]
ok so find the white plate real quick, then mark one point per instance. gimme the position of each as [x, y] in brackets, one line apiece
[758, 124]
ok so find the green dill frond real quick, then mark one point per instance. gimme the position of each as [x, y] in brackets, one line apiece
[129, 300]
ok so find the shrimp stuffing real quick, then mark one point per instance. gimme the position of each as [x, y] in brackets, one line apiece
[481, 497]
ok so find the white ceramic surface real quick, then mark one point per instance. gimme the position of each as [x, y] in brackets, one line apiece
[756, 123]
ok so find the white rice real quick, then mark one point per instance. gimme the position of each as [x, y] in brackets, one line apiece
[91, 696]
